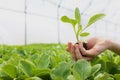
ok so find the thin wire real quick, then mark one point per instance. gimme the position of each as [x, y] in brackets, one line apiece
[12, 10]
[51, 2]
[25, 12]
[41, 15]
[87, 7]
[29, 13]
[108, 3]
[62, 7]
[58, 23]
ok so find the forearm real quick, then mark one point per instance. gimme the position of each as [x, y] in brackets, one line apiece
[114, 46]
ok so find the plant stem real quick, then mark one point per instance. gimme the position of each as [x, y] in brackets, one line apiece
[78, 31]
[75, 32]
[84, 29]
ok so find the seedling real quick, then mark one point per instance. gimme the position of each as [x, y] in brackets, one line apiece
[79, 30]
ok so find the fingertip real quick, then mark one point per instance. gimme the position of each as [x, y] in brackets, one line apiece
[79, 45]
[67, 49]
[75, 45]
[69, 42]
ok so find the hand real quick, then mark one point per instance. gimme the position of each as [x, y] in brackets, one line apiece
[75, 52]
[94, 47]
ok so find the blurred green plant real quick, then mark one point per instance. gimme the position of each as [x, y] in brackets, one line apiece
[52, 62]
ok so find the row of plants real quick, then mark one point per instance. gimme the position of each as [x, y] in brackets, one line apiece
[52, 62]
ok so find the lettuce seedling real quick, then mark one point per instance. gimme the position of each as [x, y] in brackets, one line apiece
[79, 30]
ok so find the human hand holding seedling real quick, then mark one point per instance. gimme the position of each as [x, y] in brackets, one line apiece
[79, 31]
[94, 47]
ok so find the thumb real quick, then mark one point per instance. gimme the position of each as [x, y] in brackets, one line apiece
[85, 52]
[82, 49]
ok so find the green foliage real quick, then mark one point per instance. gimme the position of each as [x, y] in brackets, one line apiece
[33, 78]
[68, 20]
[95, 18]
[77, 16]
[76, 23]
[27, 67]
[43, 61]
[10, 70]
[42, 72]
[95, 69]
[84, 34]
[83, 68]
[61, 72]
[52, 62]
[117, 76]
[104, 76]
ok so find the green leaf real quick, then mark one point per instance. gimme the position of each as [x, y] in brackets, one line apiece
[68, 20]
[78, 19]
[33, 78]
[83, 68]
[5, 78]
[117, 59]
[22, 77]
[2, 74]
[61, 71]
[1, 61]
[104, 76]
[117, 76]
[95, 69]
[84, 34]
[42, 72]
[95, 18]
[10, 70]
[71, 77]
[76, 75]
[77, 15]
[73, 22]
[27, 67]
[79, 29]
[43, 61]
[65, 19]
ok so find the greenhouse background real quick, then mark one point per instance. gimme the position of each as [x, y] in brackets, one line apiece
[34, 37]
[38, 21]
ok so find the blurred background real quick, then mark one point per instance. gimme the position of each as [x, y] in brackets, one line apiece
[38, 21]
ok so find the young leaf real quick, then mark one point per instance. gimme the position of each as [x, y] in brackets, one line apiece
[43, 61]
[65, 19]
[33, 78]
[84, 34]
[10, 70]
[71, 77]
[95, 18]
[76, 75]
[83, 68]
[62, 70]
[95, 68]
[68, 20]
[73, 22]
[77, 15]
[79, 29]
[117, 76]
[27, 67]
[42, 72]
[104, 76]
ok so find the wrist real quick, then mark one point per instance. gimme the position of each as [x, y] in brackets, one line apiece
[109, 44]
